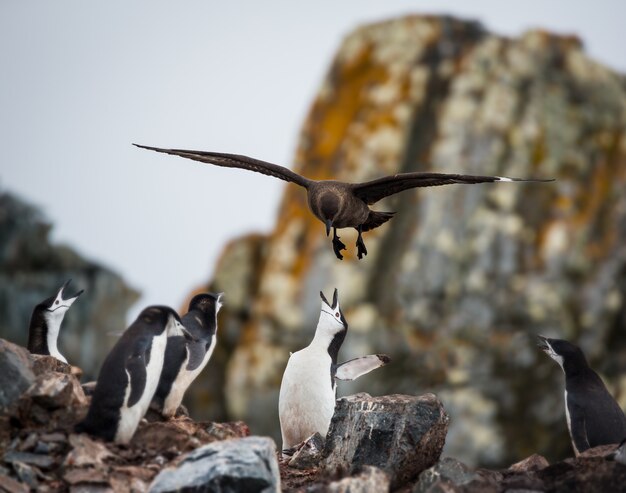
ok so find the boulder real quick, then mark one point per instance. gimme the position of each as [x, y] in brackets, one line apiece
[55, 390]
[230, 466]
[400, 434]
[16, 374]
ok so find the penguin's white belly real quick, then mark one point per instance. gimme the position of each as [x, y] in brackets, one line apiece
[307, 399]
[569, 425]
[130, 416]
[183, 381]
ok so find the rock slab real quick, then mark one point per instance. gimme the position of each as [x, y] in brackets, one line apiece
[16, 373]
[243, 464]
[400, 434]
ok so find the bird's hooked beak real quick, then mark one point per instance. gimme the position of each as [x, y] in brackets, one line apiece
[329, 225]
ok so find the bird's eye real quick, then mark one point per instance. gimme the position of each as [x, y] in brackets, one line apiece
[337, 314]
[56, 302]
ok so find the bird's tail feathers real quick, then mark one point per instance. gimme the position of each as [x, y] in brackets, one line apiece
[375, 219]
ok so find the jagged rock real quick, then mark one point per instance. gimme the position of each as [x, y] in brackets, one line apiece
[457, 284]
[55, 390]
[401, 434]
[309, 453]
[16, 374]
[32, 269]
[86, 452]
[368, 479]
[241, 464]
[447, 471]
[535, 462]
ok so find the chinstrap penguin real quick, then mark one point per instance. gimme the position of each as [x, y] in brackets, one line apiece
[593, 417]
[307, 396]
[129, 376]
[185, 358]
[340, 204]
[45, 323]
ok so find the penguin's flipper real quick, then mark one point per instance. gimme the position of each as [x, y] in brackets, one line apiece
[197, 351]
[136, 371]
[354, 368]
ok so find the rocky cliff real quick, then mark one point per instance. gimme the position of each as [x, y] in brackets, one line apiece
[458, 284]
[32, 269]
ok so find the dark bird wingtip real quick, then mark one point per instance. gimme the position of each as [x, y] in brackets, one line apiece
[384, 358]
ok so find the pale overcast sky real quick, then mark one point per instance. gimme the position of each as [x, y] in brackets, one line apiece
[82, 80]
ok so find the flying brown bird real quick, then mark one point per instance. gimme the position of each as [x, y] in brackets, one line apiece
[339, 204]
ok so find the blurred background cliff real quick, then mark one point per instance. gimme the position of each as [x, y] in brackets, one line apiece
[455, 287]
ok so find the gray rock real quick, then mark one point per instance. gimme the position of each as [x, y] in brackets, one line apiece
[369, 480]
[446, 470]
[243, 464]
[16, 373]
[309, 453]
[400, 434]
[42, 461]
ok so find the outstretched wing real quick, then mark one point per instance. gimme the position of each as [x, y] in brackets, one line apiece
[136, 370]
[354, 368]
[375, 190]
[237, 161]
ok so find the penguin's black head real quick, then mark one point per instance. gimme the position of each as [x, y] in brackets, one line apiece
[61, 302]
[158, 319]
[331, 314]
[563, 352]
[209, 303]
[329, 207]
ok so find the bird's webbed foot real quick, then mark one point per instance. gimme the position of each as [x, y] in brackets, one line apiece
[338, 245]
[361, 250]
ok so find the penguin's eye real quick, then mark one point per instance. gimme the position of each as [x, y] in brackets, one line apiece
[337, 314]
[56, 302]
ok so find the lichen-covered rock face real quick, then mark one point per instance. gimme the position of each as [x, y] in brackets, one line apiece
[400, 434]
[458, 284]
[32, 269]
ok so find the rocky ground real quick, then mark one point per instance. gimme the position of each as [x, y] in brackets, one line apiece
[388, 443]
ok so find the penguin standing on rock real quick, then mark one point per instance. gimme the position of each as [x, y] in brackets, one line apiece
[593, 416]
[306, 402]
[45, 323]
[185, 358]
[129, 376]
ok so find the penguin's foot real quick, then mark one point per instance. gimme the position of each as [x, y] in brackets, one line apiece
[338, 246]
[361, 250]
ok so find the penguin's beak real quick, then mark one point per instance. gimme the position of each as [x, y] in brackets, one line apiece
[543, 343]
[187, 335]
[329, 224]
[72, 298]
